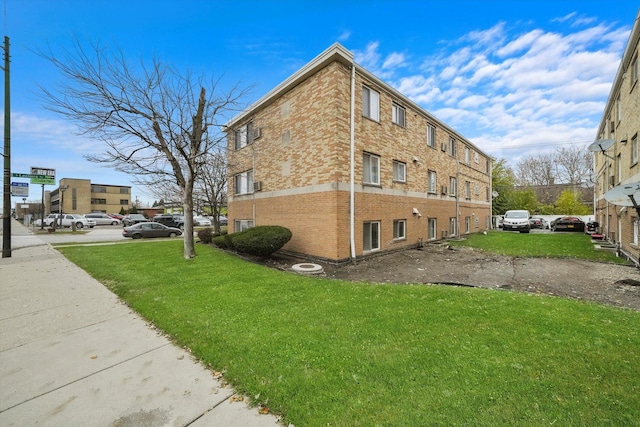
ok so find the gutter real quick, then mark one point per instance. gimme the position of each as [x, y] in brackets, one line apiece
[352, 165]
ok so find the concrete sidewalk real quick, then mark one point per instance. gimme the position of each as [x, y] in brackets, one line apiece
[71, 354]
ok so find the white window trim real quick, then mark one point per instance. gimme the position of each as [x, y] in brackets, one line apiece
[431, 135]
[467, 155]
[433, 182]
[397, 165]
[242, 224]
[396, 117]
[376, 243]
[396, 231]
[370, 180]
[431, 236]
[246, 183]
[453, 186]
[453, 227]
[370, 103]
[634, 150]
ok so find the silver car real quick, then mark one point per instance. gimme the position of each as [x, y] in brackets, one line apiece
[102, 219]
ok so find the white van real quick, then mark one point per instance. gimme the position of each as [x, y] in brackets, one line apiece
[516, 220]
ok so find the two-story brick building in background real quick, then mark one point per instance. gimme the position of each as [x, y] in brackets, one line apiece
[351, 166]
[619, 164]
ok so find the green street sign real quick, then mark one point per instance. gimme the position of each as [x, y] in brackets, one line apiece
[28, 175]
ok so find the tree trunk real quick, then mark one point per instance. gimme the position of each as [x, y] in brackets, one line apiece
[189, 243]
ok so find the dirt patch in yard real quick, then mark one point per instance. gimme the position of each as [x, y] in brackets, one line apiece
[605, 283]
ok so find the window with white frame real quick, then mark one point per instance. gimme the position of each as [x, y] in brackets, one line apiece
[453, 229]
[242, 224]
[243, 183]
[399, 229]
[432, 182]
[244, 136]
[635, 231]
[467, 155]
[619, 109]
[452, 146]
[467, 224]
[431, 135]
[467, 189]
[371, 236]
[399, 171]
[619, 166]
[634, 150]
[634, 71]
[453, 186]
[398, 114]
[431, 229]
[370, 103]
[476, 157]
[371, 169]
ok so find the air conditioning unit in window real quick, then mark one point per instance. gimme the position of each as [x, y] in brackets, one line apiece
[444, 189]
[444, 147]
[257, 186]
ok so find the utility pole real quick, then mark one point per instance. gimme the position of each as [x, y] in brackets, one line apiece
[6, 214]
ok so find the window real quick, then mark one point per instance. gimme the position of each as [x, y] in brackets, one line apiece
[397, 114]
[98, 189]
[452, 146]
[634, 150]
[98, 201]
[124, 201]
[399, 171]
[431, 229]
[242, 224]
[371, 236]
[371, 169]
[243, 182]
[476, 157]
[467, 189]
[619, 109]
[432, 182]
[370, 103]
[634, 71]
[244, 136]
[431, 135]
[453, 186]
[399, 229]
[467, 155]
[467, 224]
[453, 229]
[124, 190]
[619, 167]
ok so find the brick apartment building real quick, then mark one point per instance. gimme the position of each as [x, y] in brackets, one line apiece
[81, 196]
[619, 164]
[351, 166]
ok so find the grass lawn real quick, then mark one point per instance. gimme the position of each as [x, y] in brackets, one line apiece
[555, 245]
[325, 352]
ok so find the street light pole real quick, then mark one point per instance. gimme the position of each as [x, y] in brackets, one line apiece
[6, 214]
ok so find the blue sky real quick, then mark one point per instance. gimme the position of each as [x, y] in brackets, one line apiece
[514, 77]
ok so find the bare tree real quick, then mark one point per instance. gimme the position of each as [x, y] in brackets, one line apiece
[213, 184]
[536, 170]
[573, 163]
[156, 124]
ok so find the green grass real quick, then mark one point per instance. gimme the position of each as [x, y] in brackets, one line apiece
[331, 353]
[553, 245]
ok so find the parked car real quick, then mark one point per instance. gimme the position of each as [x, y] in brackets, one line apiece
[201, 221]
[223, 220]
[569, 223]
[116, 216]
[170, 220]
[536, 222]
[102, 219]
[592, 227]
[67, 221]
[150, 229]
[132, 219]
[517, 220]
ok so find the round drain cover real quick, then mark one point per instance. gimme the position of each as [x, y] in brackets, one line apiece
[307, 268]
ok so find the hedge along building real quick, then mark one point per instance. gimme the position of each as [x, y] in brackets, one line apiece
[351, 166]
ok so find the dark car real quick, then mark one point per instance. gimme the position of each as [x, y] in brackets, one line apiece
[133, 219]
[150, 229]
[569, 223]
[535, 222]
[176, 221]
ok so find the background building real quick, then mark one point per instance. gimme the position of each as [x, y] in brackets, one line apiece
[351, 166]
[619, 164]
[80, 196]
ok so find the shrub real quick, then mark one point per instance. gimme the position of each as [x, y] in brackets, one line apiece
[205, 235]
[262, 240]
[223, 241]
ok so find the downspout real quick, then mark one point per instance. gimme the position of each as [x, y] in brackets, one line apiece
[458, 196]
[352, 209]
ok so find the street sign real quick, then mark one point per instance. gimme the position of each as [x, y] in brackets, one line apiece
[20, 189]
[47, 176]
[28, 175]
